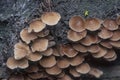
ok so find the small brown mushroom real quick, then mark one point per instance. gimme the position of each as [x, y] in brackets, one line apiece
[56, 52]
[106, 44]
[47, 52]
[50, 18]
[65, 77]
[80, 48]
[76, 23]
[55, 70]
[95, 72]
[74, 73]
[68, 51]
[62, 74]
[63, 63]
[43, 33]
[27, 37]
[77, 60]
[113, 58]
[34, 56]
[93, 48]
[93, 24]
[110, 54]
[32, 69]
[115, 36]
[76, 36]
[105, 34]
[48, 62]
[115, 44]
[110, 24]
[37, 75]
[39, 45]
[36, 26]
[83, 68]
[101, 53]
[13, 64]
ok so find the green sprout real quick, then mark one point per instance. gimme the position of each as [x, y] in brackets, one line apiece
[86, 13]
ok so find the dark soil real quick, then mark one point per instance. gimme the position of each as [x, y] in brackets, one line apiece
[16, 14]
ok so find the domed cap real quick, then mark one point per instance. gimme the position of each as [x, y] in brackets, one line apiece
[83, 68]
[113, 58]
[110, 54]
[63, 63]
[92, 24]
[47, 52]
[110, 24]
[93, 48]
[74, 73]
[56, 52]
[96, 72]
[115, 44]
[76, 36]
[48, 62]
[13, 64]
[115, 36]
[80, 47]
[105, 34]
[50, 18]
[36, 26]
[39, 45]
[106, 44]
[65, 77]
[55, 70]
[76, 23]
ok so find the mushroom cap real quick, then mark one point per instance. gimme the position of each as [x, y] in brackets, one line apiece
[74, 73]
[76, 23]
[80, 48]
[95, 72]
[48, 62]
[105, 34]
[36, 75]
[16, 77]
[50, 18]
[89, 40]
[51, 44]
[27, 37]
[47, 52]
[55, 70]
[62, 74]
[68, 51]
[12, 63]
[115, 44]
[106, 44]
[113, 58]
[118, 20]
[39, 45]
[32, 69]
[115, 36]
[36, 26]
[77, 60]
[110, 54]
[110, 24]
[76, 36]
[65, 77]
[83, 68]
[34, 56]
[101, 53]
[63, 63]
[56, 52]
[93, 49]
[43, 33]
[92, 24]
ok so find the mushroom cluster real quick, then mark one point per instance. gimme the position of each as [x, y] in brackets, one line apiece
[87, 36]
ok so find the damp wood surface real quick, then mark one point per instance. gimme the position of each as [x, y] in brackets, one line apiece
[16, 14]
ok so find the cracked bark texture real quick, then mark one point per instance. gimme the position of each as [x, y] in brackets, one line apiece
[16, 14]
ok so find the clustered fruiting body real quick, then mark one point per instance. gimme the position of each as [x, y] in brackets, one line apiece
[91, 36]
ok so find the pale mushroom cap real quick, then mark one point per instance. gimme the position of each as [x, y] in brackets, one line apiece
[50, 18]
[34, 56]
[74, 73]
[83, 68]
[105, 34]
[95, 72]
[27, 37]
[76, 36]
[62, 74]
[115, 36]
[93, 24]
[110, 54]
[80, 48]
[55, 70]
[47, 52]
[12, 63]
[113, 58]
[63, 63]
[77, 23]
[37, 75]
[93, 48]
[48, 62]
[110, 24]
[68, 51]
[77, 60]
[39, 45]
[36, 26]
[115, 44]
[32, 68]
[106, 44]
[56, 52]
[101, 53]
